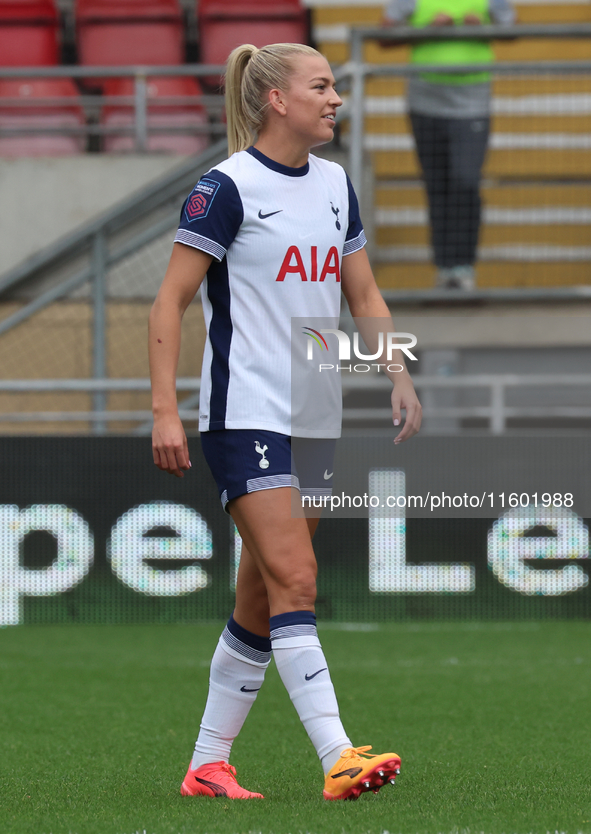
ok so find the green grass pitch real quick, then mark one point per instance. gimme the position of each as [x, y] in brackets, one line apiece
[491, 720]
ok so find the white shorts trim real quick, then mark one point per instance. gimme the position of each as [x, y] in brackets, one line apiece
[272, 482]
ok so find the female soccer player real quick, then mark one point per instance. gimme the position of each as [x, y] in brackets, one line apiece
[269, 234]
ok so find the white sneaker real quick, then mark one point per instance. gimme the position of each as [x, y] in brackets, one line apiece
[461, 278]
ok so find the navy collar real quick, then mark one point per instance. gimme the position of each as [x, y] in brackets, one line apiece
[277, 166]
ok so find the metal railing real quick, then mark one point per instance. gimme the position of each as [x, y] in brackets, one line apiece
[359, 71]
[98, 387]
[140, 101]
[354, 73]
[497, 412]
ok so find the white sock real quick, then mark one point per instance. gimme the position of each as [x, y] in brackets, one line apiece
[304, 672]
[237, 672]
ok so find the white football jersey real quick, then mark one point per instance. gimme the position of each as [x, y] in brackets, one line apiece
[278, 236]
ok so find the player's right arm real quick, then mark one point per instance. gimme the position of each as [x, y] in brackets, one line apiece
[186, 270]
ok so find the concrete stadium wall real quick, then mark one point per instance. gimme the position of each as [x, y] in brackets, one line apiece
[43, 199]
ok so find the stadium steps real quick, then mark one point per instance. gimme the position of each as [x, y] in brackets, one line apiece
[528, 230]
[537, 177]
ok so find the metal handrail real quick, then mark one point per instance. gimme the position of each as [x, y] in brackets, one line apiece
[188, 383]
[487, 32]
[500, 68]
[75, 71]
[349, 415]
[358, 71]
[115, 130]
[497, 411]
[522, 295]
[357, 383]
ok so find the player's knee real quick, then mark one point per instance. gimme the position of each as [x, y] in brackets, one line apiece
[302, 591]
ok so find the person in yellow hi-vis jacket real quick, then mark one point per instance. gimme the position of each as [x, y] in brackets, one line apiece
[450, 117]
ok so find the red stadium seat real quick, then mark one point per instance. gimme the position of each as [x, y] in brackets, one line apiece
[37, 114]
[166, 109]
[112, 32]
[28, 33]
[225, 25]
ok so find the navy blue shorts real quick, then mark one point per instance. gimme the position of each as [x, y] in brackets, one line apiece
[248, 460]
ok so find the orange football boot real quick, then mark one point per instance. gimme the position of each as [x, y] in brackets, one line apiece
[358, 771]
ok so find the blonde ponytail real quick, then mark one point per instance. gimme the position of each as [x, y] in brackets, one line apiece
[250, 74]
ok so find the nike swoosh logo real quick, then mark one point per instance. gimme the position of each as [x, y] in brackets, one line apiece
[271, 213]
[327, 477]
[244, 689]
[352, 772]
[309, 677]
[218, 790]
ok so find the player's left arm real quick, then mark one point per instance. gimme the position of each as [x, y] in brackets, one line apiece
[367, 305]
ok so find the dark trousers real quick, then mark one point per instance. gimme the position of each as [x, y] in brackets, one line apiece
[451, 152]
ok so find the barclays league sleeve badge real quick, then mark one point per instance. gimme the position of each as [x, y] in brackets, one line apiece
[200, 199]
